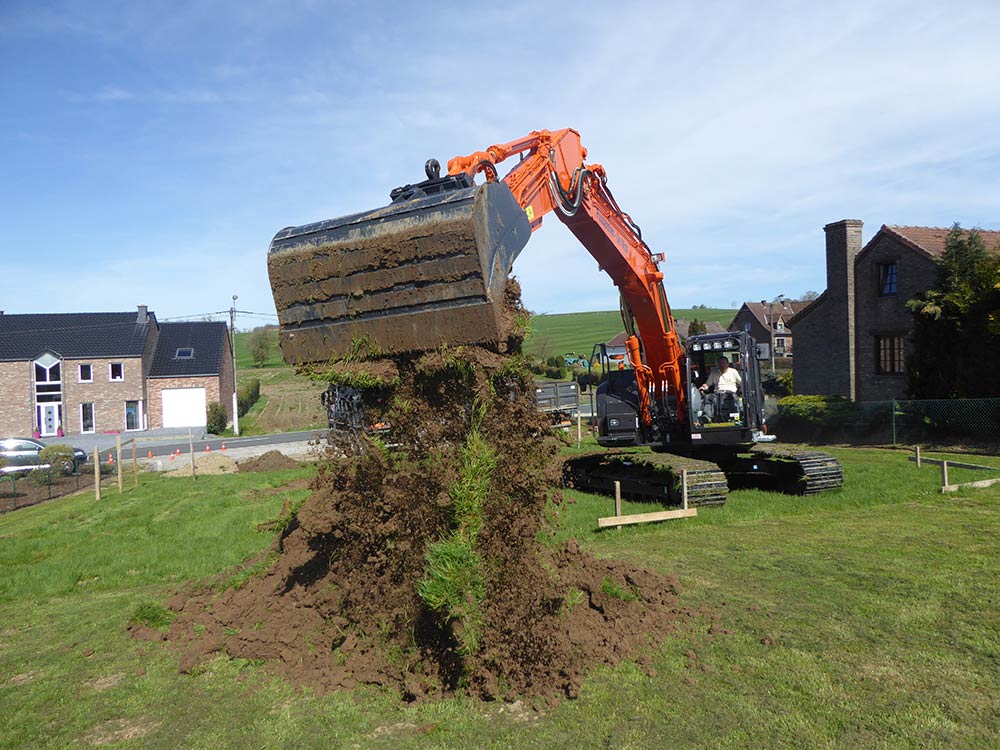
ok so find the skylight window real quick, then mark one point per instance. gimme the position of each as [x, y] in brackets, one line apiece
[184, 353]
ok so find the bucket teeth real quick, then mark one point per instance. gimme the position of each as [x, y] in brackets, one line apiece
[410, 276]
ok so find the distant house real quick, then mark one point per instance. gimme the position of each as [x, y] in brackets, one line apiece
[108, 372]
[759, 319]
[616, 346]
[854, 339]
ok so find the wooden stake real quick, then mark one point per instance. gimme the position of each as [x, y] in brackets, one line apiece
[97, 474]
[579, 434]
[135, 466]
[118, 460]
[618, 501]
[191, 448]
[944, 473]
[684, 489]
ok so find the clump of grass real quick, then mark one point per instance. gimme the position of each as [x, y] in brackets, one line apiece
[453, 582]
[152, 614]
[614, 589]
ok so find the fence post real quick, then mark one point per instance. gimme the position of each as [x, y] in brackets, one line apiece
[684, 489]
[135, 466]
[578, 430]
[118, 460]
[191, 448]
[97, 473]
[894, 424]
[944, 473]
[917, 449]
[618, 501]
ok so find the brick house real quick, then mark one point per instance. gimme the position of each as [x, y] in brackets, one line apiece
[853, 340]
[192, 367]
[758, 318]
[89, 372]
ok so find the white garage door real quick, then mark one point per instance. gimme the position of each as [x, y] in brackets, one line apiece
[184, 407]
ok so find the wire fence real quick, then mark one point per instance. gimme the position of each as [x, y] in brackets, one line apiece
[973, 422]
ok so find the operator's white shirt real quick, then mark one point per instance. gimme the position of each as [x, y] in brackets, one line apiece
[724, 381]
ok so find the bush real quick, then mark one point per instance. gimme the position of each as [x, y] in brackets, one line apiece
[216, 418]
[59, 457]
[246, 396]
[830, 418]
[39, 477]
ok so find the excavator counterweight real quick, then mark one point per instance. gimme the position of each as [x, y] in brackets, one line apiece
[427, 269]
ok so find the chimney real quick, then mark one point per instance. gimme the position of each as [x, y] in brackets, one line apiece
[843, 243]
[142, 316]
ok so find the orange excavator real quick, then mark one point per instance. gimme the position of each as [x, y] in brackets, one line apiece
[430, 269]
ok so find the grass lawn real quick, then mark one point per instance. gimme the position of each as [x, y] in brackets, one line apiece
[863, 618]
[555, 335]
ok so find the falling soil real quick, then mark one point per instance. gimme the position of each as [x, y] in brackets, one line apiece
[339, 602]
[270, 461]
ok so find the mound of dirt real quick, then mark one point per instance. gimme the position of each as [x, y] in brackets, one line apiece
[270, 461]
[206, 463]
[420, 568]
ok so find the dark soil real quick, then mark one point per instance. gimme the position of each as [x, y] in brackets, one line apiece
[21, 491]
[339, 606]
[270, 461]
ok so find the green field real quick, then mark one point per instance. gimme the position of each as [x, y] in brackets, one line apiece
[862, 618]
[556, 335]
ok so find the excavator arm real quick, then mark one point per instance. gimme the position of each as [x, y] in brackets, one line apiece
[553, 176]
[430, 268]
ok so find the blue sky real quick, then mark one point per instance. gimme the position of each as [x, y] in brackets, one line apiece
[151, 150]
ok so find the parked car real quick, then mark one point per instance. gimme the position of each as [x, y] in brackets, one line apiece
[22, 454]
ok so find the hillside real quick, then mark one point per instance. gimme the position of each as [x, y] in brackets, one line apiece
[553, 335]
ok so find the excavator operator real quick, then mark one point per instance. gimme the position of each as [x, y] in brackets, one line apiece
[726, 382]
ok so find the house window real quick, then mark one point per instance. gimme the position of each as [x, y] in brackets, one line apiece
[184, 353]
[86, 417]
[116, 371]
[779, 343]
[132, 419]
[780, 326]
[887, 279]
[86, 374]
[889, 355]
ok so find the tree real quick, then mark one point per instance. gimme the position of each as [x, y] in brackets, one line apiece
[808, 296]
[956, 343]
[697, 328]
[261, 342]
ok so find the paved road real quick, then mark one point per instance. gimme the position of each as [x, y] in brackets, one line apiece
[165, 442]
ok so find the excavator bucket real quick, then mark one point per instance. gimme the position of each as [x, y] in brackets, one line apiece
[429, 268]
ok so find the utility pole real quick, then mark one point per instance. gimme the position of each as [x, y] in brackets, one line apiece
[780, 299]
[232, 347]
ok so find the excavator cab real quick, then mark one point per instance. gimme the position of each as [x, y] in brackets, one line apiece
[427, 269]
[714, 417]
[718, 415]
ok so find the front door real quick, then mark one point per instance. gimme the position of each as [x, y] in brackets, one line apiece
[48, 418]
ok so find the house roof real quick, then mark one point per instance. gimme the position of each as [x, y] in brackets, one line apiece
[680, 324]
[931, 241]
[207, 340]
[783, 311]
[73, 335]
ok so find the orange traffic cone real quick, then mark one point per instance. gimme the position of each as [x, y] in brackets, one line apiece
[208, 448]
[223, 447]
[111, 459]
[173, 456]
[149, 454]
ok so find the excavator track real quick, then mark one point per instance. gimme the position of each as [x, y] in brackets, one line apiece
[653, 476]
[657, 476]
[807, 472]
